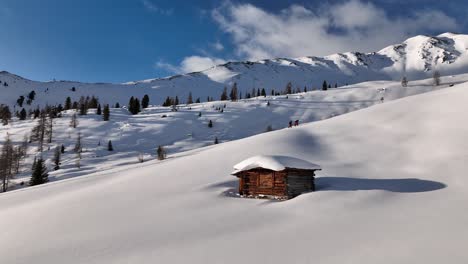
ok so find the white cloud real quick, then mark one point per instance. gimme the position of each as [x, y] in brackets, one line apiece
[218, 46]
[299, 31]
[190, 64]
[150, 6]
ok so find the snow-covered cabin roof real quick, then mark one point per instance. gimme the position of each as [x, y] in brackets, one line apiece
[275, 163]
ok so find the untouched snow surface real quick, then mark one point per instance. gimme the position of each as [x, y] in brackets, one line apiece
[393, 189]
[275, 163]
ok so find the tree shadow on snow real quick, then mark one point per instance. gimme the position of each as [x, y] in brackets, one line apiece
[408, 185]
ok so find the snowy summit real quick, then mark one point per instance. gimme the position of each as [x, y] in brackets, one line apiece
[274, 163]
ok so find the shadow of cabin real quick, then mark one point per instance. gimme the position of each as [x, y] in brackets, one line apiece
[275, 177]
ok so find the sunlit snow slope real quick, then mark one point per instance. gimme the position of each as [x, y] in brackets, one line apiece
[393, 190]
[134, 135]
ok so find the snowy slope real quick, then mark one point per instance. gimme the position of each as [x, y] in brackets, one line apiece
[184, 130]
[393, 190]
[417, 56]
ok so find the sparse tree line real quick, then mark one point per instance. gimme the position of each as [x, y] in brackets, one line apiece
[435, 79]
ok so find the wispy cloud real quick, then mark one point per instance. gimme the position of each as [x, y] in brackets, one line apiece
[352, 25]
[189, 64]
[150, 6]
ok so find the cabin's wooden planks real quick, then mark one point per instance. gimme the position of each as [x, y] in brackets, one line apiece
[284, 184]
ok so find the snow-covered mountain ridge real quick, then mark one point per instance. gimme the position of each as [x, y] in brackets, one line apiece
[416, 58]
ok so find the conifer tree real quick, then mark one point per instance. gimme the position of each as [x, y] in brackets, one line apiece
[161, 152]
[68, 103]
[190, 99]
[210, 124]
[234, 93]
[216, 140]
[106, 113]
[23, 115]
[145, 101]
[263, 92]
[224, 96]
[109, 146]
[39, 174]
[98, 110]
[324, 86]
[288, 89]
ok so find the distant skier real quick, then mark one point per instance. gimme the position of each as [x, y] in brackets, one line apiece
[382, 99]
[290, 124]
[296, 123]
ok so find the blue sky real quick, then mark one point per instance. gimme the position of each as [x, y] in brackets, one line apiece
[124, 40]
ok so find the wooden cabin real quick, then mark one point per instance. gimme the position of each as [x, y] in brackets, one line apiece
[278, 177]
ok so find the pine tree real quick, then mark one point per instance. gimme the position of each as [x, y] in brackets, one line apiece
[109, 146]
[98, 110]
[106, 113]
[288, 89]
[324, 86]
[117, 105]
[263, 92]
[176, 100]
[131, 105]
[57, 156]
[210, 124]
[23, 115]
[39, 174]
[5, 114]
[198, 100]
[234, 93]
[145, 101]
[20, 101]
[161, 152]
[68, 103]
[216, 140]
[224, 96]
[190, 99]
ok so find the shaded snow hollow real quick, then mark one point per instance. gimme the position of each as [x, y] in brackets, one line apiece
[274, 163]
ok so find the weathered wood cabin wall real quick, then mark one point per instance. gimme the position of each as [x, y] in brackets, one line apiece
[261, 181]
[285, 184]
